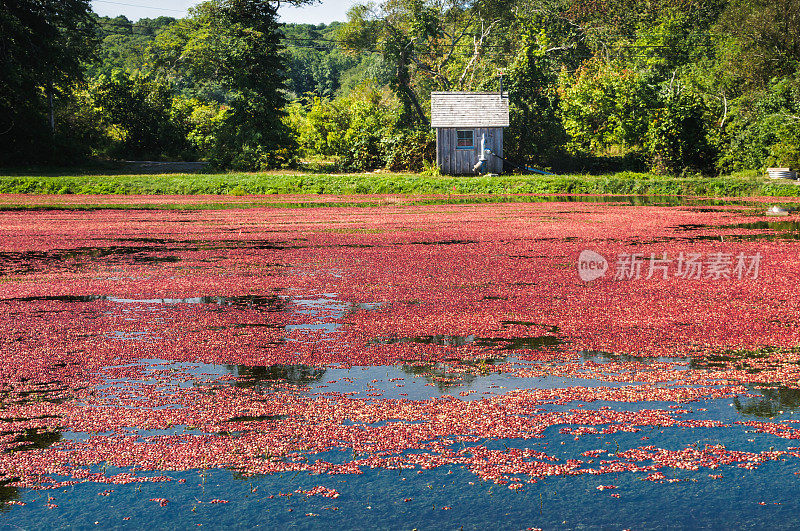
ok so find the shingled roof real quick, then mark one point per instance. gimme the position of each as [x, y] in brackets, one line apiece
[469, 109]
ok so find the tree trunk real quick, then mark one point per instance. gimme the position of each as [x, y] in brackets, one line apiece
[403, 82]
[52, 114]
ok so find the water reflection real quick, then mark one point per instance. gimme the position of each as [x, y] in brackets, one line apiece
[16, 438]
[517, 343]
[22, 439]
[465, 199]
[298, 375]
[7, 494]
[459, 199]
[438, 340]
[30, 439]
[269, 303]
[22, 262]
[772, 402]
[497, 343]
[782, 226]
[599, 356]
[730, 358]
[446, 376]
[779, 230]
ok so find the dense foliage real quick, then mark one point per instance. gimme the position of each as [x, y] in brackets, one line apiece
[43, 44]
[672, 86]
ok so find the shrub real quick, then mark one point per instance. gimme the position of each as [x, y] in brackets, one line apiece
[351, 129]
[763, 129]
[536, 134]
[409, 149]
[676, 139]
[251, 138]
[138, 114]
[786, 151]
[605, 107]
[203, 121]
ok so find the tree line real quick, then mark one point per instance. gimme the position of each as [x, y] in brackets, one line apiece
[671, 86]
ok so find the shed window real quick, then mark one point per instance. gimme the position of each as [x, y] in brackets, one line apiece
[465, 139]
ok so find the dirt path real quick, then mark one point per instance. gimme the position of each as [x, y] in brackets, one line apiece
[155, 167]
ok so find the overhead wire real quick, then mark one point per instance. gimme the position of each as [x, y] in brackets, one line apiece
[139, 5]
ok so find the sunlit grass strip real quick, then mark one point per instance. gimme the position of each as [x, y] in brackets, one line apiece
[626, 183]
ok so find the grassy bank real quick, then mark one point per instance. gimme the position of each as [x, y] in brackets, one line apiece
[626, 183]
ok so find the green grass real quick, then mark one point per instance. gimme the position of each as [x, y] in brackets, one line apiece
[625, 183]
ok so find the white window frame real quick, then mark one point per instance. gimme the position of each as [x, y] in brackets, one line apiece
[472, 138]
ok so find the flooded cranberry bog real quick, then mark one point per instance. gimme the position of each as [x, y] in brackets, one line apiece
[398, 362]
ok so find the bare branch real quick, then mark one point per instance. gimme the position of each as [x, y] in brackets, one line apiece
[478, 49]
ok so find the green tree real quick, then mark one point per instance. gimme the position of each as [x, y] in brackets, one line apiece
[677, 136]
[141, 116]
[536, 135]
[765, 39]
[359, 129]
[430, 44]
[43, 45]
[606, 107]
[763, 128]
[236, 43]
[124, 44]
[315, 65]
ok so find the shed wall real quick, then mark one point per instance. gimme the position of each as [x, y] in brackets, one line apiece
[453, 161]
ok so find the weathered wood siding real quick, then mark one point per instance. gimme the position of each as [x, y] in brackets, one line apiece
[453, 161]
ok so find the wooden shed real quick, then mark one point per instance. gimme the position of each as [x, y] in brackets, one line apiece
[462, 120]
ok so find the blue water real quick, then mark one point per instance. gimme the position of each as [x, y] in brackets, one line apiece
[376, 499]
[448, 497]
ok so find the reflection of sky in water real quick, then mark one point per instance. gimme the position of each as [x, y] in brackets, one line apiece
[410, 381]
[394, 382]
[391, 381]
[378, 498]
[410, 499]
[766, 497]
